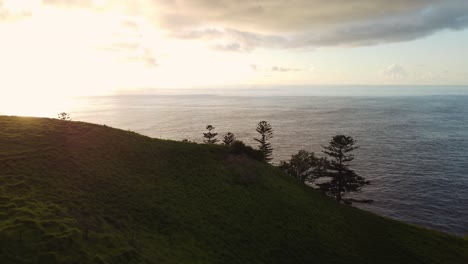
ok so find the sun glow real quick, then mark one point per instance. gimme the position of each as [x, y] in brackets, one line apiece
[21, 6]
[35, 105]
[54, 54]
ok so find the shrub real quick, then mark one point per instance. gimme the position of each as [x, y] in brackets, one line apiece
[238, 147]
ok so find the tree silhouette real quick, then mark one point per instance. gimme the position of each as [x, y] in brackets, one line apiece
[64, 116]
[305, 166]
[228, 138]
[266, 133]
[239, 148]
[342, 179]
[210, 136]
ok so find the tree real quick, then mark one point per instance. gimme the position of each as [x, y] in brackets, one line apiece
[239, 148]
[64, 116]
[210, 136]
[342, 179]
[228, 138]
[266, 133]
[305, 166]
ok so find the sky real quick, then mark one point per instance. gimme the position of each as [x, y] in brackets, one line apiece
[54, 48]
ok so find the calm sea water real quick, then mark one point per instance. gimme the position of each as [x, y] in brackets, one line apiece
[414, 149]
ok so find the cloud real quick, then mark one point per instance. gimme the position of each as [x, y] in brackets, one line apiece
[237, 40]
[283, 69]
[139, 55]
[228, 47]
[394, 71]
[134, 52]
[233, 25]
[71, 3]
[312, 23]
[127, 43]
[258, 68]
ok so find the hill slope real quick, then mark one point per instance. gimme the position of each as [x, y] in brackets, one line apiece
[74, 192]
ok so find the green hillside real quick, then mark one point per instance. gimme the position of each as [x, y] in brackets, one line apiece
[74, 192]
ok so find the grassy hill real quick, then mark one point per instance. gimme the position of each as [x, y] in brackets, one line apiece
[74, 192]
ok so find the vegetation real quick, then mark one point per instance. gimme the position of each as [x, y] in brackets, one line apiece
[73, 192]
[305, 166]
[239, 148]
[266, 133]
[210, 136]
[342, 178]
[64, 116]
[228, 138]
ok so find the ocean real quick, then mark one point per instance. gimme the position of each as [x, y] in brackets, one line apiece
[413, 147]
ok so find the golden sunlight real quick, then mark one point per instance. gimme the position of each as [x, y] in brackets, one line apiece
[23, 6]
[83, 52]
[35, 104]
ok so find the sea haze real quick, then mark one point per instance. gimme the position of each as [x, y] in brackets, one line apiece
[414, 146]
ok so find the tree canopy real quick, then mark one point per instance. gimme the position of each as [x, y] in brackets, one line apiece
[228, 138]
[305, 166]
[342, 179]
[210, 137]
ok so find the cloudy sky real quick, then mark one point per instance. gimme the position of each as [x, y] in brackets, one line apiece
[79, 47]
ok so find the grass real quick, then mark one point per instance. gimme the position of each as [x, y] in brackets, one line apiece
[73, 192]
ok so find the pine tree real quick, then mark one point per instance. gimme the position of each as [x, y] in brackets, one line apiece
[228, 138]
[266, 133]
[210, 136]
[342, 179]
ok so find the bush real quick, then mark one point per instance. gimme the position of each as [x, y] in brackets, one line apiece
[238, 147]
[64, 116]
[305, 166]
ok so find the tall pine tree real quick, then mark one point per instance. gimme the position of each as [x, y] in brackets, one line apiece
[266, 133]
[342, 179]
[210, 136]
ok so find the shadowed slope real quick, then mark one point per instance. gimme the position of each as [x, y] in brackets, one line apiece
[74, 192]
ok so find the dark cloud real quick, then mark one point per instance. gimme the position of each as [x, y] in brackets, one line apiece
[364, 24]
[246, 25]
